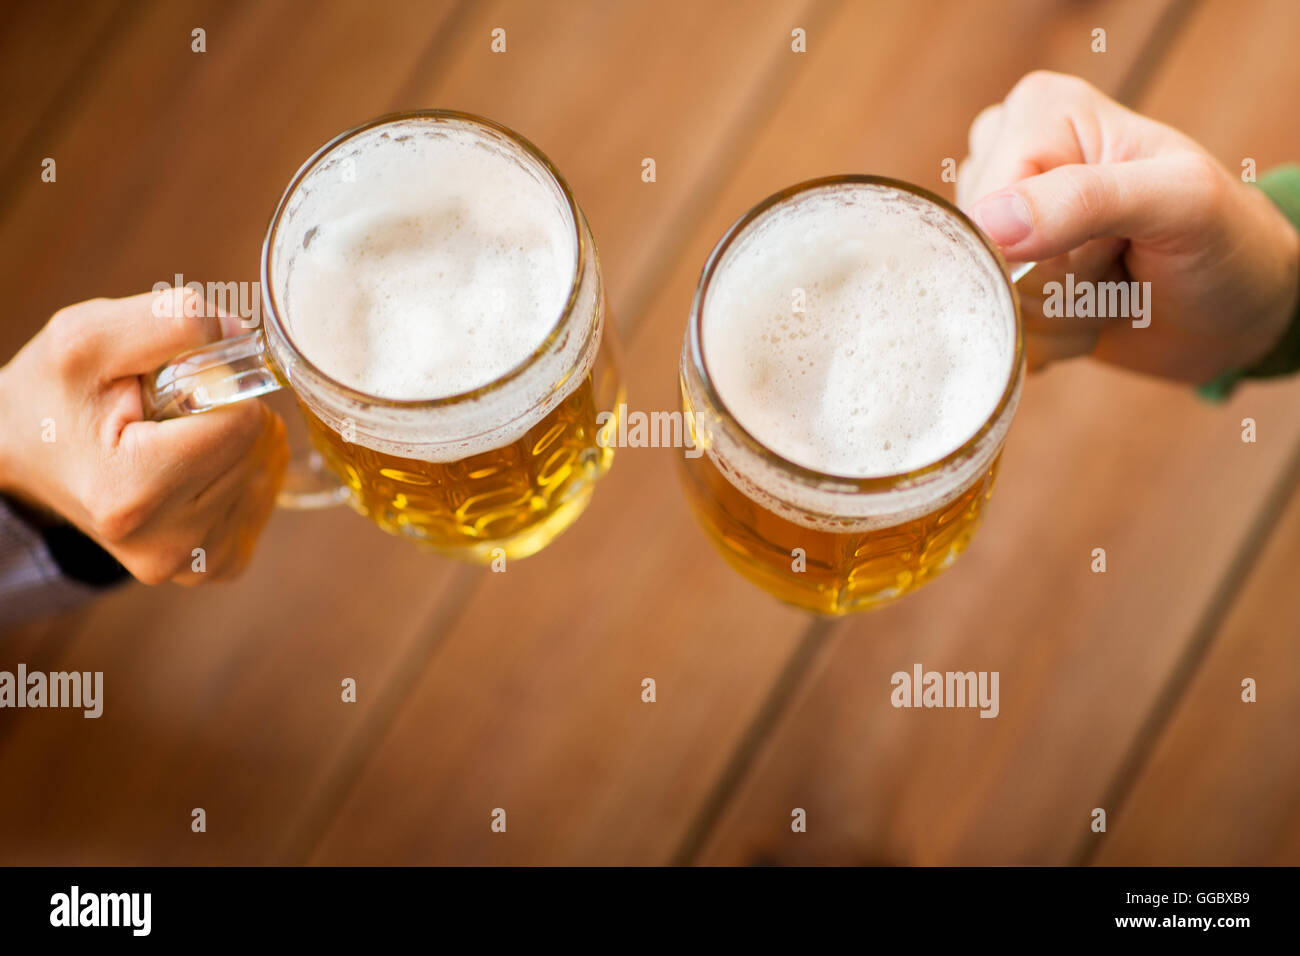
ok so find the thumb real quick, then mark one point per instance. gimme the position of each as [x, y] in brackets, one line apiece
[1047, 215]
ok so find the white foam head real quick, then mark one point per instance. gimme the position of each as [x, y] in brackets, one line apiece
[857, 330]
[446, 267]
[426, 258]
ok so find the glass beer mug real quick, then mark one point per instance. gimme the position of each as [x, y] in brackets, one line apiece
[851, 365]
[432, 296]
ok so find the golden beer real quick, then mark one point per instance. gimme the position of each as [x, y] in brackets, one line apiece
[842, 571]
[852, 364]
[515, 498]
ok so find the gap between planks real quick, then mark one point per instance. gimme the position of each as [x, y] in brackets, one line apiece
[1198, 647]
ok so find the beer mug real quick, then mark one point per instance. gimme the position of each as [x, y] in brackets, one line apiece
[431, 295]
[851, 365]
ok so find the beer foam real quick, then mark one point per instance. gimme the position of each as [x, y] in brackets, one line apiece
[859, 331]
[425, 258]
[445, 265]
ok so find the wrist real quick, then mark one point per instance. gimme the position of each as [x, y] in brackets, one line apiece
[1278, 352]
[1279, 322]
[1270, 345]
[8, 478]
[13, 484]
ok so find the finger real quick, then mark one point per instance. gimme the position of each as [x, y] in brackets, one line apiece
[1124, 345]
[968, 176]
[1050, 304]
[1095, 260]
[135, 335]
[1043, 350]
[215, 549]
[254, 513]
[965, 173]
[1049, 120]
[984, 128]
[268, 454]
[1025, 146]
[1051, 213]
[186, 301]
[1048, 317]
[244, 507]
[183, 456]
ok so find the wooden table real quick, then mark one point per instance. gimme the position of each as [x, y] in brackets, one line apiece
[522, 690]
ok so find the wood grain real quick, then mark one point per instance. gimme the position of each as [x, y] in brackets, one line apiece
[45, 50]
[523, 690]
[536, 690]
[1221, 784]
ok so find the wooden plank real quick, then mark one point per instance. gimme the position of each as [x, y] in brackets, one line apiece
[1097, 458]
[44, 49]
[1222, 783]
[532, 702]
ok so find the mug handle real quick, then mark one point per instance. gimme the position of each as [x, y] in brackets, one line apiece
[230, 371]
[1020, 270]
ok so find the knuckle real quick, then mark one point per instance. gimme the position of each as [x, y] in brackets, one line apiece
[171, 562]
[1073, 87]
[983, 125]
[1032, 84]
[115, 519]
[158, 566]
[1092, 192]
[71, 338]
[149, 573]
[1201, 175]
[1046, 85]
[1207, 187]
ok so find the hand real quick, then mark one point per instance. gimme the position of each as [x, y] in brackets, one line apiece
[148, 492]
[1069, 178]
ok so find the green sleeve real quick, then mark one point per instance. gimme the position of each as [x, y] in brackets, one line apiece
[1282, 185]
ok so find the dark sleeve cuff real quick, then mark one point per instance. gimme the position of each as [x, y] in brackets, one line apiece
[77, 557]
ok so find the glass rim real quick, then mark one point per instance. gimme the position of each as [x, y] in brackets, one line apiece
[583, 253]
[811, 476]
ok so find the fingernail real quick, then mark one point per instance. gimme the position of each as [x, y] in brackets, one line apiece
[1005, 217]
